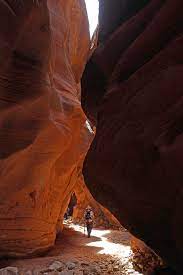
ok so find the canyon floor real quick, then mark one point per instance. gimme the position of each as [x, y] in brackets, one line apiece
[106, 252]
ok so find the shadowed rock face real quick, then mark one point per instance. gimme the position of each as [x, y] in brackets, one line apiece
[113, 13]
[44, 46]
[137, 103]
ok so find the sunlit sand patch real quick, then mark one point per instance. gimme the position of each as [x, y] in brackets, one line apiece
[119, 251]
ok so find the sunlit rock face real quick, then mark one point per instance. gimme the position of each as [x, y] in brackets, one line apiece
[144, 259]
[102, 217]
[44, 46]
[135, 164]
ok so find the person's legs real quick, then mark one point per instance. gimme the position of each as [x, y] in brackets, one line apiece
[89, 229]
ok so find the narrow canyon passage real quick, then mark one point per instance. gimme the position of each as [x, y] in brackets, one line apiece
[94, 114]
[106, 252]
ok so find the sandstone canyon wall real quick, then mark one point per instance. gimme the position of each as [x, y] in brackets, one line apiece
[44, 47]
[102, 217]
[132, 91]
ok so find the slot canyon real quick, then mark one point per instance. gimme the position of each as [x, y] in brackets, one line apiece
[91, 119]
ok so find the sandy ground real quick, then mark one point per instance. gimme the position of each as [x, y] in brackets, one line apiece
[106, 252]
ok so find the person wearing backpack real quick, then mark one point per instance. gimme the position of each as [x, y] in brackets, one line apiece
[89, 217]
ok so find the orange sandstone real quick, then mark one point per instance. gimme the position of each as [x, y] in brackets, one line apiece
[44, 48]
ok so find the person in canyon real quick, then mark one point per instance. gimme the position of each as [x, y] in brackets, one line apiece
[89, 220]
[66, 215]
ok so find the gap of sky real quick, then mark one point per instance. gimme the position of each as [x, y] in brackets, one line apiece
[93, 12]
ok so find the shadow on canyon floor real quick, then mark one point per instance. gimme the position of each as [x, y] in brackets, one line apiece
[75, 240]
[105, 248]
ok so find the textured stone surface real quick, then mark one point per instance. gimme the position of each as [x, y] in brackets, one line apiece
[9, 271]
[102, 217]
[143, 258]
[44, 47]
[134, 166]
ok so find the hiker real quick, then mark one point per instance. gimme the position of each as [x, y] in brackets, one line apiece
[66, 215]
[89, 217]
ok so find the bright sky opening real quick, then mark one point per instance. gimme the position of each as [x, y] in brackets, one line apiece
[93, 11]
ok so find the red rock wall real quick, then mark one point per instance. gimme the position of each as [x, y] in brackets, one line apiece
[144, 259]
[44, 46]
[113, 13]
[102, 217]
[134, 166]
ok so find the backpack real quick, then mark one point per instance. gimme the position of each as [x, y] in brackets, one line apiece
[88, 215]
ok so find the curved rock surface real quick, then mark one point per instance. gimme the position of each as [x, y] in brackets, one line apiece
[102, 217]
[114, 13]
[44, 47]
[134, 166]
[144, 259]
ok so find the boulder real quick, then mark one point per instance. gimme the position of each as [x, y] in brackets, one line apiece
[70, 265]
[10, 270]
[56, 266]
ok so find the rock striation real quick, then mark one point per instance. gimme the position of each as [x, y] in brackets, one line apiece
[44, 47]
[132, 91]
